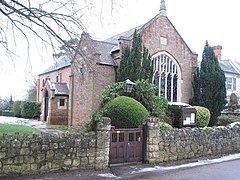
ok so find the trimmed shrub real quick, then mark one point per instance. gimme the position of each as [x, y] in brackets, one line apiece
[164, 126]
[17, 108]
[203, 116]
[125, 112]
[30, 109]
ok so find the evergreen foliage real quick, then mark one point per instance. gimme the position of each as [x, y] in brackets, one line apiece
[112, 91]
[209, 85]
[125, 65]
[164, 126]
[125, 112]
[17, 108]
[144, 92]
[135, 61]
[30, 109]
[147, 66]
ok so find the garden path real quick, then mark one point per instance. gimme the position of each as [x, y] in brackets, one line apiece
[42, 126]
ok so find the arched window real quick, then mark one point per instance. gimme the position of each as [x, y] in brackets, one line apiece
[167, 76]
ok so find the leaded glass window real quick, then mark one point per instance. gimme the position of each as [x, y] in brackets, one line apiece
[167, 76]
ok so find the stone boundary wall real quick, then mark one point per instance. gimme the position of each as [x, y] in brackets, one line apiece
[41, 153]
[190, 143]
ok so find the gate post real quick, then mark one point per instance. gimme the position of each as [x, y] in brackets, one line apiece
[102, 144]
[144, 150]
[153, 139]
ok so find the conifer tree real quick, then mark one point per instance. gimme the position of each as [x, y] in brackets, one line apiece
[136, 62]
[209, 86]
[125, 66]
[147, 67]
[136, 57]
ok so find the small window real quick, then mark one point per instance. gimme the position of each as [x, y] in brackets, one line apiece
[131, 137]
[121, 137]
[57, 79]
[138, 136]
[114, 137]
[62, 102]
[231, 83]
[163, 41]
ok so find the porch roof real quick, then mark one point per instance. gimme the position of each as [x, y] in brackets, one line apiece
[60, 88]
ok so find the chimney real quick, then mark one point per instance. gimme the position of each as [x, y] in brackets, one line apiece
[218, 51]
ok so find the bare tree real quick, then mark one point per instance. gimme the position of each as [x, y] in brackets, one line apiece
[48, 20]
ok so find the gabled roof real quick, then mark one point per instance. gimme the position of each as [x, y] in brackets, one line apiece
[60, 88]
[229, 66]
[59, 64]
[128, 34]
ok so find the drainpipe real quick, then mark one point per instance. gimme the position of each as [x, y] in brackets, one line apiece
[71, 100]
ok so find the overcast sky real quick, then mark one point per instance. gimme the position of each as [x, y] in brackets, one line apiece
[196, 20]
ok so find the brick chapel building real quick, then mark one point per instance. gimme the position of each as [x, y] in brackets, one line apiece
[70, 90]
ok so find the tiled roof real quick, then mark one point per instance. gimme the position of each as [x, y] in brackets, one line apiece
[103, 48]
[60, 88]
[61, 63]
[126, 34]
[228, 66]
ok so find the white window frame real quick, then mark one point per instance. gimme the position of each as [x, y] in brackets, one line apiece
[165, 63]
[65, 103]
[231, 82]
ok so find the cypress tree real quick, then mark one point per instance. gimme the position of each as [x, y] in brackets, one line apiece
[135, 57]
[147, 68]
[209, 88]
[136, 62]
[124, 69]
[196, 84]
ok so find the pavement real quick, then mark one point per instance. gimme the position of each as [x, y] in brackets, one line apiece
[41, 125]
[116, 172]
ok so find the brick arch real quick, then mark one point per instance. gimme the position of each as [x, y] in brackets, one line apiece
[167, 76]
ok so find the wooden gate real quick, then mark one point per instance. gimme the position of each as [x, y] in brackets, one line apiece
[126, 145]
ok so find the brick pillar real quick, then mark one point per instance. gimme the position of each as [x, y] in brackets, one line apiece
[103, 144]
[153, 139]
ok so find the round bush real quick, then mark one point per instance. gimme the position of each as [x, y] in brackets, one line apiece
[203, 116]
[125, 112]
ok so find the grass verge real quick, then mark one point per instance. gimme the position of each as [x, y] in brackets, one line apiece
[16, 128]
[63, 128]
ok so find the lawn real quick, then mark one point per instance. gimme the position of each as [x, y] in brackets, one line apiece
[13, 128]
[63, 128]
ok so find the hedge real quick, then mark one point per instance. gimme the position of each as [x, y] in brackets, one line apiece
[17, 108]
[30, 109]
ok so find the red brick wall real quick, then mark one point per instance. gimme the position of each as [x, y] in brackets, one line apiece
[63, 75]
[176, 46]
[87, 88]
[58, 115]
[55, 116]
